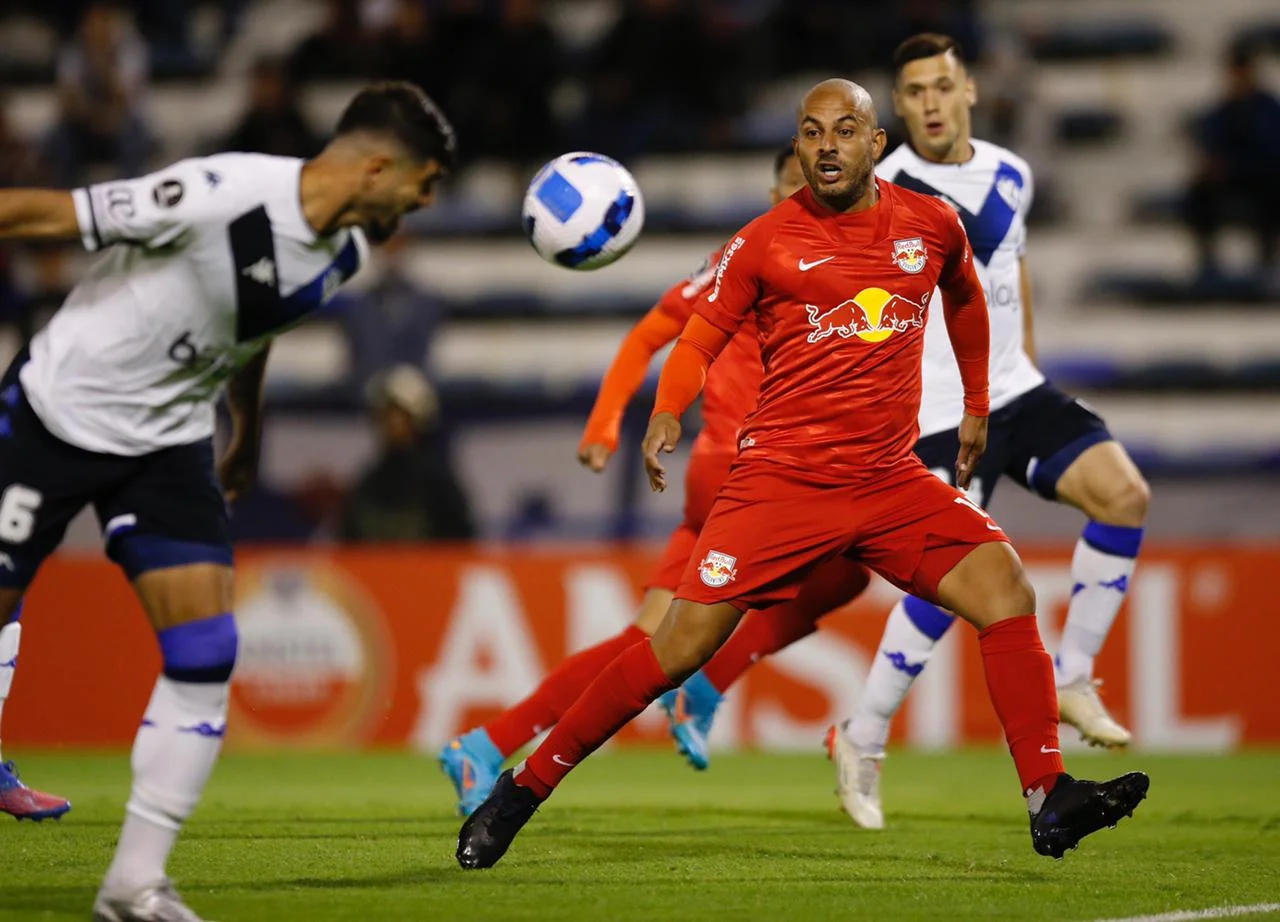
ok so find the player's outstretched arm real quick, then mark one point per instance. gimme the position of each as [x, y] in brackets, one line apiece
[682, 378]
[239, 466]
[626, 373]
[38, 214]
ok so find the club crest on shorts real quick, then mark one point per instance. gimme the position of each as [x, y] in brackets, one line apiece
[717, 569]
[910, 254]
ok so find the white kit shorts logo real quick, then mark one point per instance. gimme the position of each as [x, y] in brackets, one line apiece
[724, 264]
[717, 569]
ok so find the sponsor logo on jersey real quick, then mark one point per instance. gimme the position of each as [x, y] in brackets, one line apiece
[872, 315]
[168, 193]
[314, 658]
[263, 272]
[329, 287]
[718, 569]
[910, 254]
[724, 264]
[699, 280]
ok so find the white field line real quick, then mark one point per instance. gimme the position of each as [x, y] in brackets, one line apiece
[1190, 915]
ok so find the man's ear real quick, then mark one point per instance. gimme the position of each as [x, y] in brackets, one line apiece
[374, 166]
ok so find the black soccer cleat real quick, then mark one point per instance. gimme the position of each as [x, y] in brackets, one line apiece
[1075, 809]
[490, 830]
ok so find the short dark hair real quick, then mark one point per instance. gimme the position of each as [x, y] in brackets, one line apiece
[402, 110]
[1242, 53]
[780, 160]
[925, 45]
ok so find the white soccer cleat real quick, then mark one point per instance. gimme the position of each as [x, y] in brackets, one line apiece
[1082, 708]
[857, 779]
[158, 903]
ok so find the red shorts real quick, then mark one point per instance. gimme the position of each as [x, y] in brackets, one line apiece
[770, 527]
[702, 481]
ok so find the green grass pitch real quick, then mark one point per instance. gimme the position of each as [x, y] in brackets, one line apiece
[638, 836]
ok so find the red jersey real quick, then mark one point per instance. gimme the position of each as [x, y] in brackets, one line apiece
[841, 301]
[732, 383]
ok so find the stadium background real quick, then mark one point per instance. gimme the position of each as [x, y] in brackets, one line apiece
[406, 643]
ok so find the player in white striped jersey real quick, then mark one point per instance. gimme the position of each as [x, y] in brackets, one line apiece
[201, 264]
[1040, 437]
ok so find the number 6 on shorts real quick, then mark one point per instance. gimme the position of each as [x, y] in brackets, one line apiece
[18, 508]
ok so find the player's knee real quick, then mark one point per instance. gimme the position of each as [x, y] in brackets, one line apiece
[684, 642]
[682, 656]
[201, 651]
[1009, 594]
[1019, 596]
[1127, 504]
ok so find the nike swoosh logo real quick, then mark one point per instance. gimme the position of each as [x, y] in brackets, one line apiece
[559, 761]
[805, 267]
[1043, 748]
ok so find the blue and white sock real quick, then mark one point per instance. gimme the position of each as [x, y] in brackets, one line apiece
[10, 639]
[1101, 569]
[175, 749]
[910, 635]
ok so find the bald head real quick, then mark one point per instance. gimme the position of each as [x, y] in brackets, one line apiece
[838, 141]
[840, 93]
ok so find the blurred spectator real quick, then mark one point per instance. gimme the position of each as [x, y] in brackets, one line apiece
[410, 492]
[273, 122]
[341, 49]
[1238, 175]
[817, 36]
[901, 20]
[411, 49]
[168, 27]
[520, 76]
[19, 161]
[393, 322]
[19, 166]
[101, 77]
[653, 85]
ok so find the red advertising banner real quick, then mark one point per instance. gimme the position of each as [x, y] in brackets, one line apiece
[408, 647]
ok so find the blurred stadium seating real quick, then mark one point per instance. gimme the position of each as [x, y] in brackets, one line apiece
[1186, 371]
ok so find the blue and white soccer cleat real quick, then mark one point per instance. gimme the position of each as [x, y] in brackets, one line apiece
[473, 764]
[691, 708]
[21, 802]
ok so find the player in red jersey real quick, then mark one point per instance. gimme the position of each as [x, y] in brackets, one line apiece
[826, 469]
[474, 759]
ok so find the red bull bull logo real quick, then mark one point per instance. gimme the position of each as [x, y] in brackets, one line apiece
[872, 315]
[910, 254]
[718, 569]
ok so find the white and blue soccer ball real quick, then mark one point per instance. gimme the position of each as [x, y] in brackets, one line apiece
[583, 211]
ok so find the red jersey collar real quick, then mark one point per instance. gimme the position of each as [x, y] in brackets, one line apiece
[874, 219]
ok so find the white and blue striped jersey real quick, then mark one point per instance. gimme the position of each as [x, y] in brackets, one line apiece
[992, 194]
[201, 264]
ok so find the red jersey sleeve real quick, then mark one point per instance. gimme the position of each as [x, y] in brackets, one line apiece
[736, 287]
[685, 370]
[626, 373]
[964, 308]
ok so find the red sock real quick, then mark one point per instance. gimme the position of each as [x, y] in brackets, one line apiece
[1020, 681]
[763, 633]
[521, 722]
[625, 688]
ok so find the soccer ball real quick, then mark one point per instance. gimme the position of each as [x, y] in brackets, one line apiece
[583, 211]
